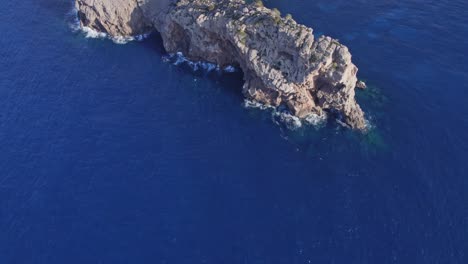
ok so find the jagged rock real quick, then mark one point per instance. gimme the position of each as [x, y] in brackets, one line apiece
[283, 63]
[118, 18]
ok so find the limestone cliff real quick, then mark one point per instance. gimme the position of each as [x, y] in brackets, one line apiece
[283, 63]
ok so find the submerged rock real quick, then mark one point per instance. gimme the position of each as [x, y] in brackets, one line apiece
[283, 63]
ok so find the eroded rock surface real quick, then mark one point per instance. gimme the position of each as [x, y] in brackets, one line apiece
[119, 18]
[283, 63]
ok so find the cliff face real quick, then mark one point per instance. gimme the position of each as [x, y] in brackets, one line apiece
[122, 18]
[119, 18]
[282, 62]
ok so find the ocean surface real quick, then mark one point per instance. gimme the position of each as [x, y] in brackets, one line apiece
[112, 154]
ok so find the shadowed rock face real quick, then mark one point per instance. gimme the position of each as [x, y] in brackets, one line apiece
[282, 62]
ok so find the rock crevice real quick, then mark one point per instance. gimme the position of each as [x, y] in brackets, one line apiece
[283, 63]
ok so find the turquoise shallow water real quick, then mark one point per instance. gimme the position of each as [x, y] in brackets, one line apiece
[110, 154]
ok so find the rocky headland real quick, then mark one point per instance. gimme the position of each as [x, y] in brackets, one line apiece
[283, 63]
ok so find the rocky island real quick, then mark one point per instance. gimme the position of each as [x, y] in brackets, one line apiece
[283, 63]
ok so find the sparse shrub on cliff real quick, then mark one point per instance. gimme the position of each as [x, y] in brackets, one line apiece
[276, 15]
[276, 12]
[288, 17]
[242, 36]
[313, 58]
[258, 3]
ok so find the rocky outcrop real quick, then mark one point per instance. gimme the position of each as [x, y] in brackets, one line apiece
[119, 18]
[361, 85]
[283, 63]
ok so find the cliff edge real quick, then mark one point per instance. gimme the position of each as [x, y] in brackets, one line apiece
[283, 63]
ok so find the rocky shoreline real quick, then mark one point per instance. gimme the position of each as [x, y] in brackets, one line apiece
[283, 64]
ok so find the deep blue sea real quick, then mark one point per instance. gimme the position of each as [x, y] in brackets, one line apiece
[111, 154]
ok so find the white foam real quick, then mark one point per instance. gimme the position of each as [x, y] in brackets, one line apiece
[369, 125]
[284, 118]
[91, 33]
[125, 40]
[230, 69]
[74, 22]
[315, 120]
[252, 104]
[142, 37]
[179, 58]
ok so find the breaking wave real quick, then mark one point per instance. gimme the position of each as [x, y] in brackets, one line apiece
[252, 104]
[284, 118]
[291, 122]
[179, 59]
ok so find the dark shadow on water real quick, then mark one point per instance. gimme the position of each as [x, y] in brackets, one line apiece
[154, 42]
